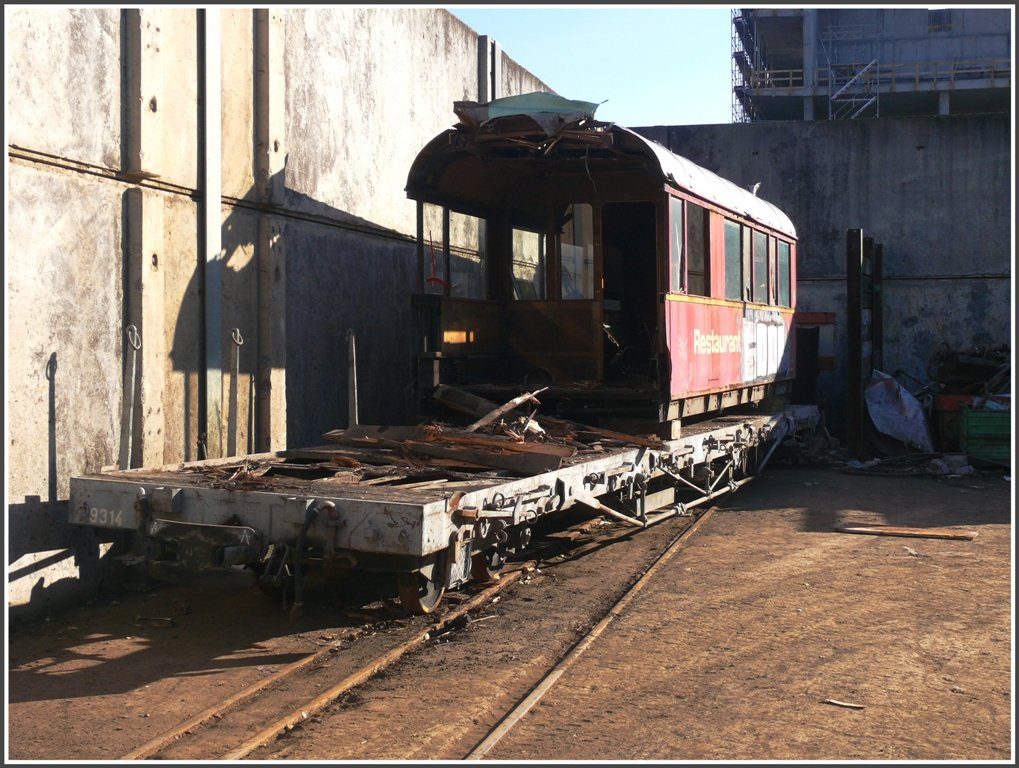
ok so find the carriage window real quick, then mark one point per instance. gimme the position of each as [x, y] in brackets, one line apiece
[748, 265]
[697, 242]
[733, 260]
[528, 265]
[784, 275]
[466, 256]
[760, 268]
[576, 253]
[676, 246]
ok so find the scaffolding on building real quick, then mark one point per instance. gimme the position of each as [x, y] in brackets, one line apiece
[745, 59]
[786, 64]
[852, 70]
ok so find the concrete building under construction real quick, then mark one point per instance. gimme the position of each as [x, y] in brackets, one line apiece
[845, 63]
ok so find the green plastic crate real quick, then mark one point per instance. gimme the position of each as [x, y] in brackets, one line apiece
[985, 436]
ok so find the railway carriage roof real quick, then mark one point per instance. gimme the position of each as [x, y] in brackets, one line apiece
[688, 175]
[555, 119]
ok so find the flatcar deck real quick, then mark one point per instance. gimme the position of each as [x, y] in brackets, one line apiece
[412, 499]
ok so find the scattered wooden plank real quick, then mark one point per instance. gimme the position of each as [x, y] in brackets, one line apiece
[611, 434]
[514, 461]
[463, 402]
[384, 479]
[498, 443]
[373, 435]
[424, 483]
[896, 530]
[342, 455]
[473, 405]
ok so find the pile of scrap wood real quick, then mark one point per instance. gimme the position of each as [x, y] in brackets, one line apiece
[500, 437]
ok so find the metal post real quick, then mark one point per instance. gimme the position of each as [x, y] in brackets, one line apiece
[351, 380]
[212, 233]
[854, 333]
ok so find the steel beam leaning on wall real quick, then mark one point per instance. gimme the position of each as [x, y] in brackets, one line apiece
[211, 235]
[270, 255]
[489, 69]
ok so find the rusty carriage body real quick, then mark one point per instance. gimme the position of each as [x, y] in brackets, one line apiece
[562, 252]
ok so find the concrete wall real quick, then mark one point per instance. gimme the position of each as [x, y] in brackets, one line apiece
[936, 192]
[207, 178]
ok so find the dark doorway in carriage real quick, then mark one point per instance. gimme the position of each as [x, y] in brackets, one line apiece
[630, 275]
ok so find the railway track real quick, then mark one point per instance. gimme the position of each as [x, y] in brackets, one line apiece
[287, 703]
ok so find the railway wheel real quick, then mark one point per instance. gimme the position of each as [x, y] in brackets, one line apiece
[487, 565]
[419, 594]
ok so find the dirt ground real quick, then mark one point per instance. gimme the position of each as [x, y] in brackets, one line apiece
[733, 651]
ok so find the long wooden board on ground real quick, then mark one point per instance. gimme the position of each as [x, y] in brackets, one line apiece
[898, 530]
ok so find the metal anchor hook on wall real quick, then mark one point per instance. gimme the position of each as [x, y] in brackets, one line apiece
[234, 426]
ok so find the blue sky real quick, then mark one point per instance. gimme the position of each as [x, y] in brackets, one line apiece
[650, 64]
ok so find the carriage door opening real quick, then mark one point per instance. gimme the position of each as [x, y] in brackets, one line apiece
[629, 290]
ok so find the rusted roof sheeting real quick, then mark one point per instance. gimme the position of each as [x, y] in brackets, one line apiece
[552, 114]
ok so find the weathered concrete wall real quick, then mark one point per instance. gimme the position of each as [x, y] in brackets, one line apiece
[934, 191]
[320, 113]
[351, 150]
[64, 303]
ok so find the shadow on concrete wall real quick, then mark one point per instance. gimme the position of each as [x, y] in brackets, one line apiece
[38, 527]
[341, 272]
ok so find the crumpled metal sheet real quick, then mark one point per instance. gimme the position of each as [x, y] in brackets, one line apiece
[548, 110]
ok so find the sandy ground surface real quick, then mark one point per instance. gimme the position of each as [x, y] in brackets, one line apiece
[730, 652]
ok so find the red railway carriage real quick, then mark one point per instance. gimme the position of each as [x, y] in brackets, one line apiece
[560, 252]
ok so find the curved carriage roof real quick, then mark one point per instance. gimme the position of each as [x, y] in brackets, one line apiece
[555, 118]
[688, 175]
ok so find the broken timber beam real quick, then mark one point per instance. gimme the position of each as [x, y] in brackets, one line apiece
[473, 405]
[505, 408]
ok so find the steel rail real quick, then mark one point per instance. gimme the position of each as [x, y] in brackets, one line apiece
[511, 719]
[418, 638]
[216, 711]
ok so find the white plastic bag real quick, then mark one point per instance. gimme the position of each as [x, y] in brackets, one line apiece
[896, 413]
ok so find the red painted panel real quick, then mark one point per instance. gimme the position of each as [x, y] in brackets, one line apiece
[715, 347]
[705, 345]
